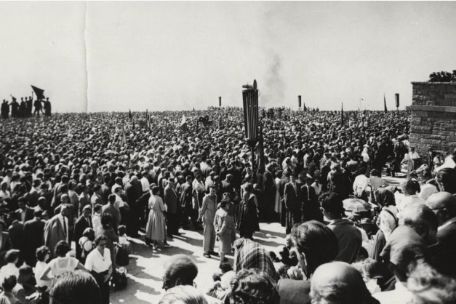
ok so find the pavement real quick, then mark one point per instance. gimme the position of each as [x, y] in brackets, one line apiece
[147, 266]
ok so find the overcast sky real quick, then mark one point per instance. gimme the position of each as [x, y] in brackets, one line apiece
[175, 55]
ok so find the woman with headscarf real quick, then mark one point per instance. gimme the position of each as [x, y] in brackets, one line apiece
[251, 255]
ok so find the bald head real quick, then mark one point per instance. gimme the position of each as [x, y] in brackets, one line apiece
[338, 282]
[444, 206]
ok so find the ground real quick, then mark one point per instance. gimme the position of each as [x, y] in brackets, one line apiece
[146, 266]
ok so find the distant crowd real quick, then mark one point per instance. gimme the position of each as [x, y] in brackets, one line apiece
[92, 182]
[26, 108]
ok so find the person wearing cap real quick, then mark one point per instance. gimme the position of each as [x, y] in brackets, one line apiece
[349, 238]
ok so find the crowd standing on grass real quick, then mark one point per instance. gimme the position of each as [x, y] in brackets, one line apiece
[92, 181]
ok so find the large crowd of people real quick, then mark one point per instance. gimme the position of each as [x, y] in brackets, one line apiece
[74, 188]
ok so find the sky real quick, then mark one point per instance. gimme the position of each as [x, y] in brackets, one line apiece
[116, 56]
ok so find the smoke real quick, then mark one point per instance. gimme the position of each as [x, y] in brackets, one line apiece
[274, 86]
[273, 90]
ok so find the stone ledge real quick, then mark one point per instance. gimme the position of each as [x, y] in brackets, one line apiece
[446, 109]
[431, 83]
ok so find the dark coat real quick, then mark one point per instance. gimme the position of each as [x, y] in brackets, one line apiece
[310, 205]
[248, 218]
[24, 215]
[34, 231]
[17, 236]
[445, 256]
[293, 291]
[5, 245]
[79, 227]
[171, 200]
[54, 232]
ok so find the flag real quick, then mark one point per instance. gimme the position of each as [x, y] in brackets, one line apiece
[124, 137]
[342, 115]
[38, 92]
[397, 100]
[183, 120]
[220, 101]
[299, 101]
[384, 103]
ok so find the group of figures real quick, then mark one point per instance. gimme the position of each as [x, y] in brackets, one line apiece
[25, 107]
[114, 177]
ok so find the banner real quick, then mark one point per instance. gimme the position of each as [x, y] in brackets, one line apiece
[38, 92]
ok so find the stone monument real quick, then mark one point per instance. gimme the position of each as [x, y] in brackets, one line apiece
[433, 123]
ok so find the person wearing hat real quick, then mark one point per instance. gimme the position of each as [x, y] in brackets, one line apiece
[349, 238]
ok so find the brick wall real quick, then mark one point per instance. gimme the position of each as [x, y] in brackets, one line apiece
[433, 122]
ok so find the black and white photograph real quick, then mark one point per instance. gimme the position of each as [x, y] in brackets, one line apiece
[228, 152]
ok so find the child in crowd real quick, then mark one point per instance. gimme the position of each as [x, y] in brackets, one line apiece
[86, 243]
[42, 257]
[96, 217]
[123, 251]
[10, 269]
[222, 279]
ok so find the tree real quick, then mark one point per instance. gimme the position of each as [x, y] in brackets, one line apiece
[443, 76]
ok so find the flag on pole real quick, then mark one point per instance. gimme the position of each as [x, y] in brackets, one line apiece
[384, 103]
[397, 100]
[342, 114]
[38, 92]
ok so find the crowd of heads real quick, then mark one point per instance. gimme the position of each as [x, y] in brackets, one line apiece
[59, 164]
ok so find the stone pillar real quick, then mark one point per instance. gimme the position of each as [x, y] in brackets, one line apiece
[433, 122]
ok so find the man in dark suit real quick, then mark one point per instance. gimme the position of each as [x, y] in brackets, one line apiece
[34, 232]
[443, 204]
[292, 203]
[5, 242]
[111, 209]
[171, 201]
[33, 194]
[57, 228]
[133, 191]
[16, 234]
[83, 222]
[310, 205]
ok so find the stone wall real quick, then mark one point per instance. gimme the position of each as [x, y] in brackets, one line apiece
[433, 122]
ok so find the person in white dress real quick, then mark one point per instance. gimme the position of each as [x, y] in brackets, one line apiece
[61, 263]
[156, 225]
